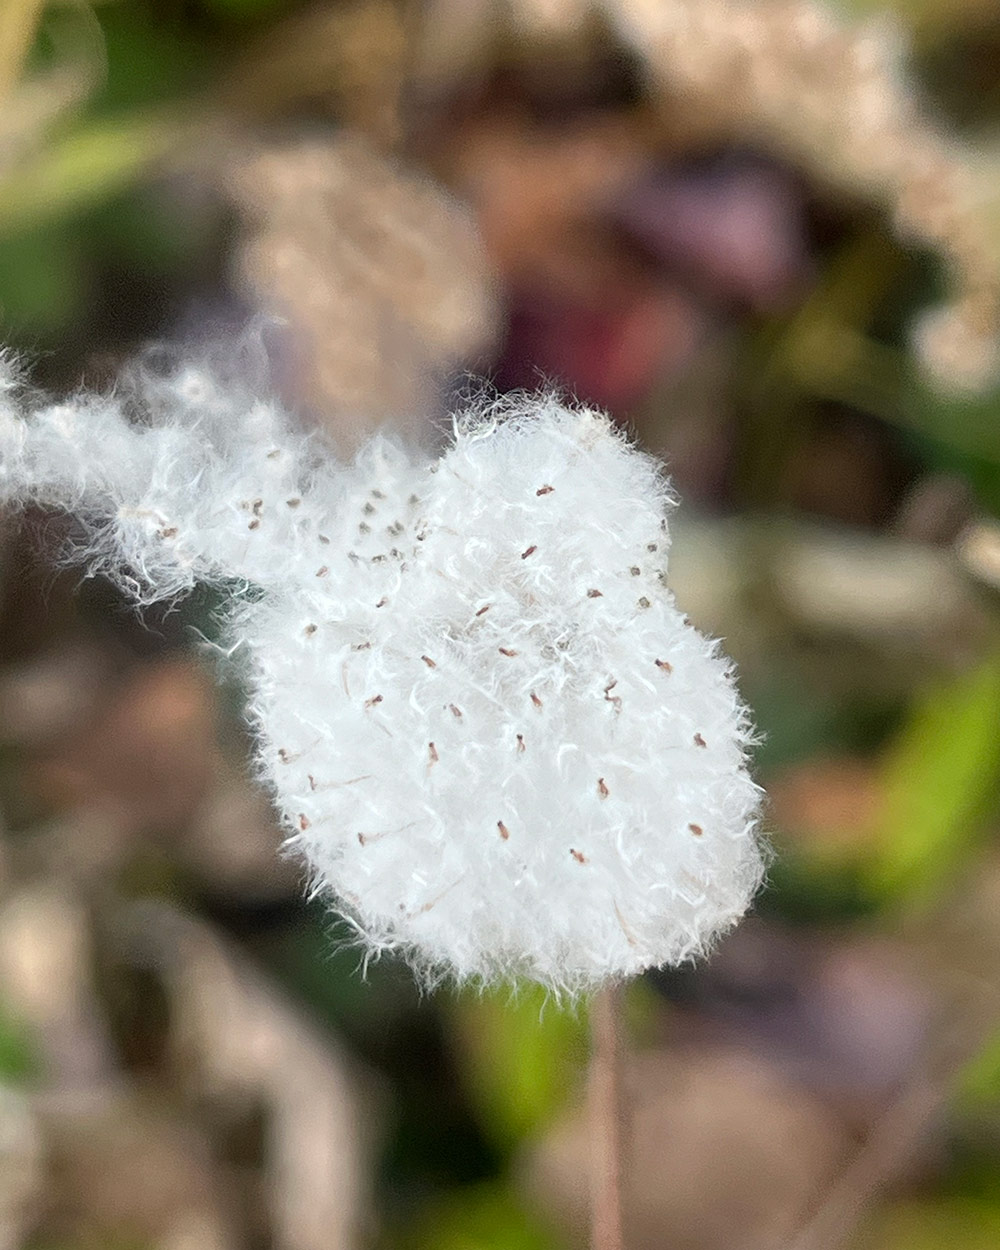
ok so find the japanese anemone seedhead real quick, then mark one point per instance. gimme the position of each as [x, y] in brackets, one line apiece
[497, 743]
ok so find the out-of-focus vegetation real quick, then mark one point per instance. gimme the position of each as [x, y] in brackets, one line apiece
[400, 194]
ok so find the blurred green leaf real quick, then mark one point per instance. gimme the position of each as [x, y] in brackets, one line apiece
[82, 168]
[480, 1217]
[521, 1057]
[151, 58]
[951, 1224]
[19, 1060]
[42, 280]
[941, 780]
[979, 1082]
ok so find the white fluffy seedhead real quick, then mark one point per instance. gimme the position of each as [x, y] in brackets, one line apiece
[496, 741]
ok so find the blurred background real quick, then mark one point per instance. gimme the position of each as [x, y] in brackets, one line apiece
[766, 236]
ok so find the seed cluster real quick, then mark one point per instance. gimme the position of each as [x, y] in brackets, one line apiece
[498, 745]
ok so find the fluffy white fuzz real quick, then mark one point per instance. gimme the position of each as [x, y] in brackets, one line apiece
[495, 739]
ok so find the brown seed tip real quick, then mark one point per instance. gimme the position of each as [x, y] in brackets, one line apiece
[432, 753]
[455, 711]
[254, 524]
[373, 701]
[578, 856]
[644, 602]
[428, 661]
[382, 602]
[169, 532]
[602, 788]
[304, 822]
[665, 665]
[293, 503]
[520, 742]
[310, 630]
[504, 831]
[545, 490]
[506, 651]
[535, 699]
[696, 830]
[312, 782]
[635, 570]
[322, 572]
[699, 741]
[530, 552]
[483, 609]
[594, 594]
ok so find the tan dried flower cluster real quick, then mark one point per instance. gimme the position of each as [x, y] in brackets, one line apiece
[835, 99]
[832, 99]
[379, 270]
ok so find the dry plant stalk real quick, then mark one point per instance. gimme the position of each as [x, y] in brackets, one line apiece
[609, 1115]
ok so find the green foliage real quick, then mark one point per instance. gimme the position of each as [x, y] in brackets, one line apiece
[978, 1087]
[950, 1224]
[19, 1060]
[520, 1058]
[480, 1217]
[85, 167]
[941, 780]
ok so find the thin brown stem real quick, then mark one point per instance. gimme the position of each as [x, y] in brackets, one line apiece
[608, 1120]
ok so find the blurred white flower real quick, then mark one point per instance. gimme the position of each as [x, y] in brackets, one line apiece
[495, 739]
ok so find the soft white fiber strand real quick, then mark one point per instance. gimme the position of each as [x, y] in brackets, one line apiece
[494, 738]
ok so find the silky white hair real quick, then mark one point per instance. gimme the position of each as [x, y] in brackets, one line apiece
[494, 738]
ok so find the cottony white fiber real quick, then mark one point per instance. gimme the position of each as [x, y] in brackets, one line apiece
[493, 736]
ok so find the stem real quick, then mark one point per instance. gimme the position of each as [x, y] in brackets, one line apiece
[608, 1119]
